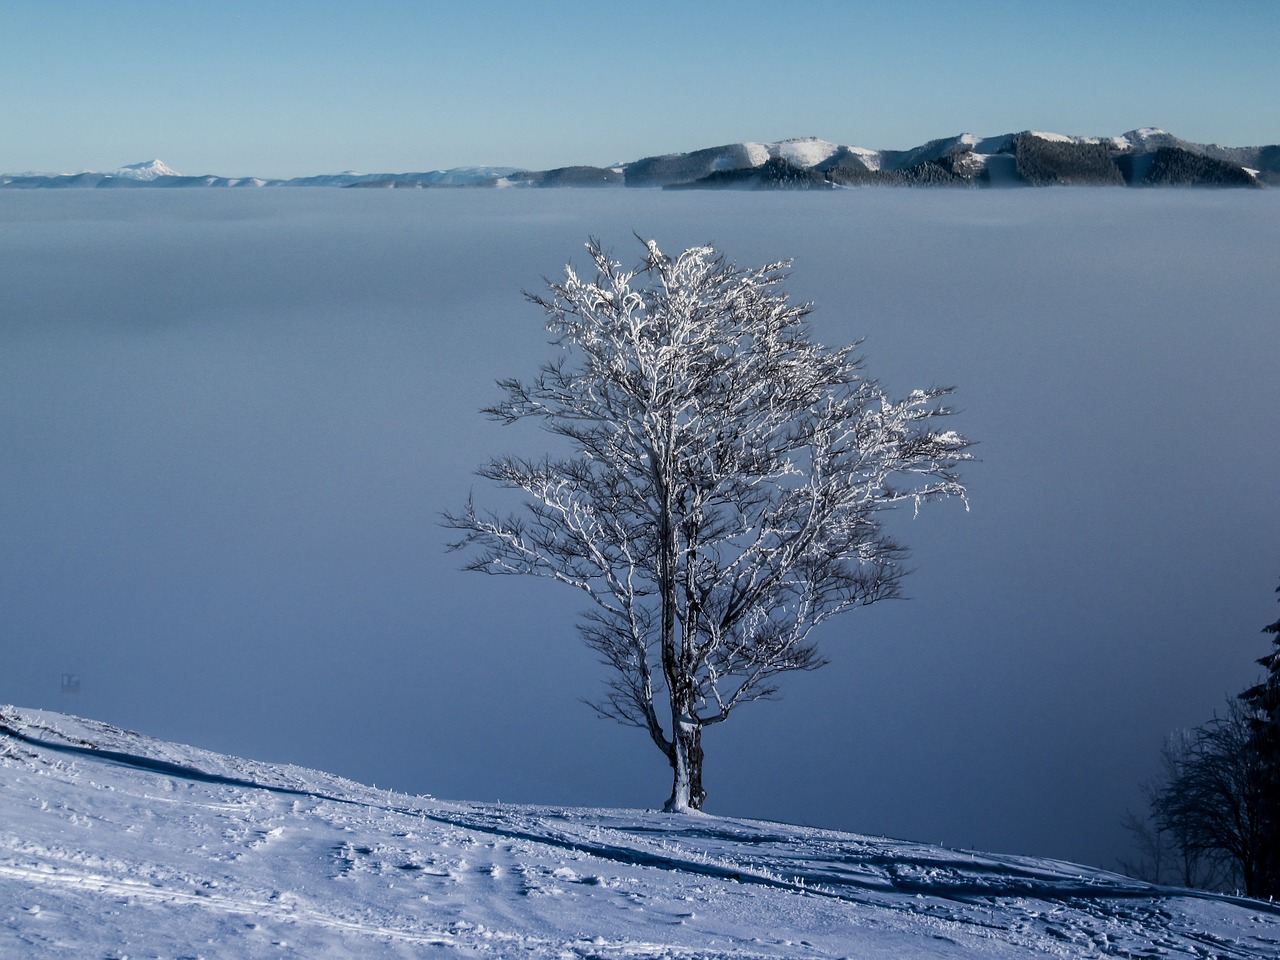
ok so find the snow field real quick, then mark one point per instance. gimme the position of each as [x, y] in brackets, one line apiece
[116, 844]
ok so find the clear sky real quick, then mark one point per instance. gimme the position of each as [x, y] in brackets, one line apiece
[273, 88]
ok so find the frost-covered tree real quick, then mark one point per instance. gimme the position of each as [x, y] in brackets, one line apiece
[724, 493]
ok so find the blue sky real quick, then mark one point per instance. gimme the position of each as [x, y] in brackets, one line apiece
[281, 88]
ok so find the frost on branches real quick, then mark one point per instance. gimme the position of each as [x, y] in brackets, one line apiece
[724, 494]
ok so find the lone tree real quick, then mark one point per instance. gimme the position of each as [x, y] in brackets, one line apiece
[725, 489]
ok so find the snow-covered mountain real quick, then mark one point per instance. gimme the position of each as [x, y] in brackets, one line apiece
[116, 844]
[155, 173]
[149, 170]
[1145, 157]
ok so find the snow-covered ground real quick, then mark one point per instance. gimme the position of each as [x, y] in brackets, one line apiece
[115, 844]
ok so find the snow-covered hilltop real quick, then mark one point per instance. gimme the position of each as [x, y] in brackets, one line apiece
[150, 170]
[1146, 157]
[113, 843]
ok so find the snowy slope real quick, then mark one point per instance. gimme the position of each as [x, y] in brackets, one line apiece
[116, 844]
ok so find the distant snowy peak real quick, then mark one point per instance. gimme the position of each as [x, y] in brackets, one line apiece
[1145, 138]
[804, 152]
[148, 170]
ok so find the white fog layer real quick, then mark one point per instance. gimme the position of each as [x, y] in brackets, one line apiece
[231, 421]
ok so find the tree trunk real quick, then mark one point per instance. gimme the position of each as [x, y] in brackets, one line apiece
[686, 764]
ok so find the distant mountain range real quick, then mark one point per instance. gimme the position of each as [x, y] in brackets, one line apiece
[1145, 157]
